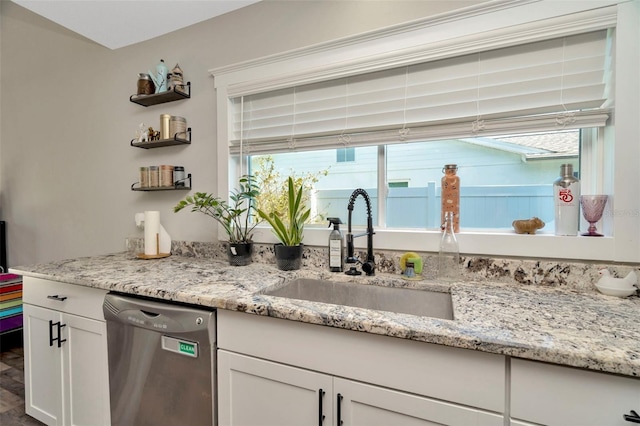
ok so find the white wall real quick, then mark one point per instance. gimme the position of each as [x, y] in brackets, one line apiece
[66, 121]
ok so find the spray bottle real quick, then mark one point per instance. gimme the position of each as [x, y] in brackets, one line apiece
[336, 246]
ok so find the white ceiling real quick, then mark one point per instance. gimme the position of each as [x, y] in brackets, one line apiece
[119, 23]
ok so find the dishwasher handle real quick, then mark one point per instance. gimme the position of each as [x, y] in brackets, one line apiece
[161, 317]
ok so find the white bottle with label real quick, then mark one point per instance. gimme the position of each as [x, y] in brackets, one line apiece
[566, 194]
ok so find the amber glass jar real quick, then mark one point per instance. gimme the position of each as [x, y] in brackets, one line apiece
[145, 85]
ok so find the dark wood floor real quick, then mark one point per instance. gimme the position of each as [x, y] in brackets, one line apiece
[12, 383]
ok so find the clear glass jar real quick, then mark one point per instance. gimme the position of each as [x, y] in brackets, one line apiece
[154, 177]
[144, 177]
[177, 127]
[166, 176]
[449, 254]
[179, 176]
[450, 184]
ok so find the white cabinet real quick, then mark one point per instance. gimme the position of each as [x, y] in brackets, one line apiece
[368, 405]
[65, 346]
[264, 393]
[268, 366]
[42, 366]
[555, 395]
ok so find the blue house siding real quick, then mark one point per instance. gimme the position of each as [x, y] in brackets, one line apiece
[480, 206]
[497, 186]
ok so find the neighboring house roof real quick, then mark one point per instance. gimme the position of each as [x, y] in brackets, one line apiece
[535, 146]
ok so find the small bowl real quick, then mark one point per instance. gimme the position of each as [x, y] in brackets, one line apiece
[618, 285]
[618, 292]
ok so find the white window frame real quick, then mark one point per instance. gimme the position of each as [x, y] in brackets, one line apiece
[486, 26]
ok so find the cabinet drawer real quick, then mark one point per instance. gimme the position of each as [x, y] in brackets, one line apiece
[557, 395]
[63, 297]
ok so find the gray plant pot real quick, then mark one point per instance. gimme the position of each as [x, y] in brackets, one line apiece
[239, 253]
[288, 258]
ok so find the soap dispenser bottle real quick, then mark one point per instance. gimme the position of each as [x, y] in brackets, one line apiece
[336, 246]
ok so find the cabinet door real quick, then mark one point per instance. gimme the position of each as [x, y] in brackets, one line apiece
[367, 405]
[556, 395]
[86, 379]
[263, 393]
[42, 365]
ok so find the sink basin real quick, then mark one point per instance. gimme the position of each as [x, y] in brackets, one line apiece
[390, 299]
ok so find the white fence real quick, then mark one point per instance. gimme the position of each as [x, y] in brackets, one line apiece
[419, 207]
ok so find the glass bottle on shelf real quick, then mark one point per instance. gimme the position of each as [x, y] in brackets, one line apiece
[449, 254]
[566, 192]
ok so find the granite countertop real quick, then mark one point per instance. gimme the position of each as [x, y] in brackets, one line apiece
[587, 330]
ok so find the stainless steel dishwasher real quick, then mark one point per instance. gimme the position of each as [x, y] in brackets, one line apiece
[161, 362]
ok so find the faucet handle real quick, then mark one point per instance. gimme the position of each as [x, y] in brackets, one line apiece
[369, 268]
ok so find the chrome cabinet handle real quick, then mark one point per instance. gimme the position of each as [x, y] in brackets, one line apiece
[58, 298]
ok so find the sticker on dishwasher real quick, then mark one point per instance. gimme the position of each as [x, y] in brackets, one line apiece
[182, 347]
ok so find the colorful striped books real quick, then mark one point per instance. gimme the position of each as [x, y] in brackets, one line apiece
[10, 302]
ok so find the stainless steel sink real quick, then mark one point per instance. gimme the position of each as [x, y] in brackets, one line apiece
[390, 299]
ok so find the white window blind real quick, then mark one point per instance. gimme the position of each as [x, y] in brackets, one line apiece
[561, 83]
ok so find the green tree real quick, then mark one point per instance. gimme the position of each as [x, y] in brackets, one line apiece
[273, 195]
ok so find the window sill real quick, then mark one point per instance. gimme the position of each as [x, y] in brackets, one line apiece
[538, 246]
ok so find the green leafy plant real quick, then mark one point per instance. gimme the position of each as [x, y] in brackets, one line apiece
[237, 217]
[290, 230]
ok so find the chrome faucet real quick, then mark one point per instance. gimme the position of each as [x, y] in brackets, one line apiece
[369, 265]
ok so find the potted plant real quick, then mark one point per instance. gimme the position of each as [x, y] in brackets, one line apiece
[237, 217]
[289, 228]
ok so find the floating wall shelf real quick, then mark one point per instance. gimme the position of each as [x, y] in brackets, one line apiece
[175, 187]
[181, 91]
[163, 142]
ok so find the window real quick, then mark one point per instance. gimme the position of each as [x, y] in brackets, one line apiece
[503, 178]
[398, 184]
[430, 114]
[345, 155]
[333, 97]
